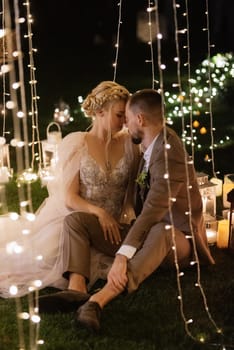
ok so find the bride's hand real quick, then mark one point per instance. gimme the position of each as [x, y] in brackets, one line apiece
[109, 226]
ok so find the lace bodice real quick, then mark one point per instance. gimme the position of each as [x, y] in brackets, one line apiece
[105, 189]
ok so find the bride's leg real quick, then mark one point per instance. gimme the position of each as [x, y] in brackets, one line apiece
[84, 231]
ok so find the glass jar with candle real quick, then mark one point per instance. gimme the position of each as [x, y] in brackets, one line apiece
[223, 233]
[211, 230]
[228, 185]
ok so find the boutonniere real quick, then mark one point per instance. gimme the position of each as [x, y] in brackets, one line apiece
[142, 178]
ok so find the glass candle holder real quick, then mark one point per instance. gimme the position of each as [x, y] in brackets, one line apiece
[228, 185]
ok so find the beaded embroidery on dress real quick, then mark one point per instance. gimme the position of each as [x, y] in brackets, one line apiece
[104, 188]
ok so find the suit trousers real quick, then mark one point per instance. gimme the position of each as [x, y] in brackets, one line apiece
[84, 232]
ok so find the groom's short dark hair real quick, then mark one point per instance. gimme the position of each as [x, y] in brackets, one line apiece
[147, 102]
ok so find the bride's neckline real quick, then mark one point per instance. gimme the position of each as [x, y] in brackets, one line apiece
[106, 167]
[107, 170]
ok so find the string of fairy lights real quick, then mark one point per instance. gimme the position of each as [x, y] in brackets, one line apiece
[14, 104]
[180, 98]
[150, 43]
[179, 274]
[187, 102]
[196, 262]
[115, 64]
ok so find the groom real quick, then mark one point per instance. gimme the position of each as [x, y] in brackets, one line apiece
[169, 212]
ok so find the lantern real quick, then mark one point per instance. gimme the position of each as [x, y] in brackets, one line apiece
[228, 185]
[50, 152]
[5, 171]
[211, 230]
[208, 195]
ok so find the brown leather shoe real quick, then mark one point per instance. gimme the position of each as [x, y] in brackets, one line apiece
[65, 301]
[89, 315]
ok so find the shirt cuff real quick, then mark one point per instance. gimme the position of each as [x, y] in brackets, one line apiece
[127, 250]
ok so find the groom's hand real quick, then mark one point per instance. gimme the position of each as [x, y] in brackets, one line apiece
[118, 272]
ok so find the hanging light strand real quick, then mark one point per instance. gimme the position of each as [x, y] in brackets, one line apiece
[21, 85]
[149, 10]
[117, 40]
[33, 90]
[189, 76]
[210, 90]
[3, 75]
[161, 81]
[13, 102]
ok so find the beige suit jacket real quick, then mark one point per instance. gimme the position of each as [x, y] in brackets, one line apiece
[156, 204]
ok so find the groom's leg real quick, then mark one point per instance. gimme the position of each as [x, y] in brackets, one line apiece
[156, 250]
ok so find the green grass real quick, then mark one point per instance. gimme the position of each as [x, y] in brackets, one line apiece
[148, 319]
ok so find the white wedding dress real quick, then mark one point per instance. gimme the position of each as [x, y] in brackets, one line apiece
[34, 255]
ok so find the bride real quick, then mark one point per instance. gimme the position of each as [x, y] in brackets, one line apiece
[95, 173]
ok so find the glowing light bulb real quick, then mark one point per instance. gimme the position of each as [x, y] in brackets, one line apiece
[40, 342]
[2, 141]
[13, 247]
[39, 257]
[189, 321]
[37, 283]
[14, 216]
[15, 85]
[35, 318]
[25, 231]
[24, 315]
[10, 104]
[13, 290]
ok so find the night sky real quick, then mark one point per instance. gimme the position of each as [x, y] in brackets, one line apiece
[75, 41]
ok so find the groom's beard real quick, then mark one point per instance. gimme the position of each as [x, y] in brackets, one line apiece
[136, 140]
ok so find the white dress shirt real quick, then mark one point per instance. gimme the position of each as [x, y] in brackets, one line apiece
[126, 249]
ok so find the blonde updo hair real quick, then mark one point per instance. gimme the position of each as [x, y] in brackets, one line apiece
[102, 94]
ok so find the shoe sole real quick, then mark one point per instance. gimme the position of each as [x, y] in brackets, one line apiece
[56, 304]
[87, 326]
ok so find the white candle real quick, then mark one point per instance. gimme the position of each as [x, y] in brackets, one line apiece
[219, 185]
[211, 235]
[223, 233]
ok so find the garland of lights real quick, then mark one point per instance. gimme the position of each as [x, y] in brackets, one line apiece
[117, 39]
[16, 104]
[188, 64]
[222, 70]
[210, 91]
[194, 96]
[166, 176]
[149, 10]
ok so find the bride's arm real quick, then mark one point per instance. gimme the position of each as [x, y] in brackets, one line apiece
[74, 201]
